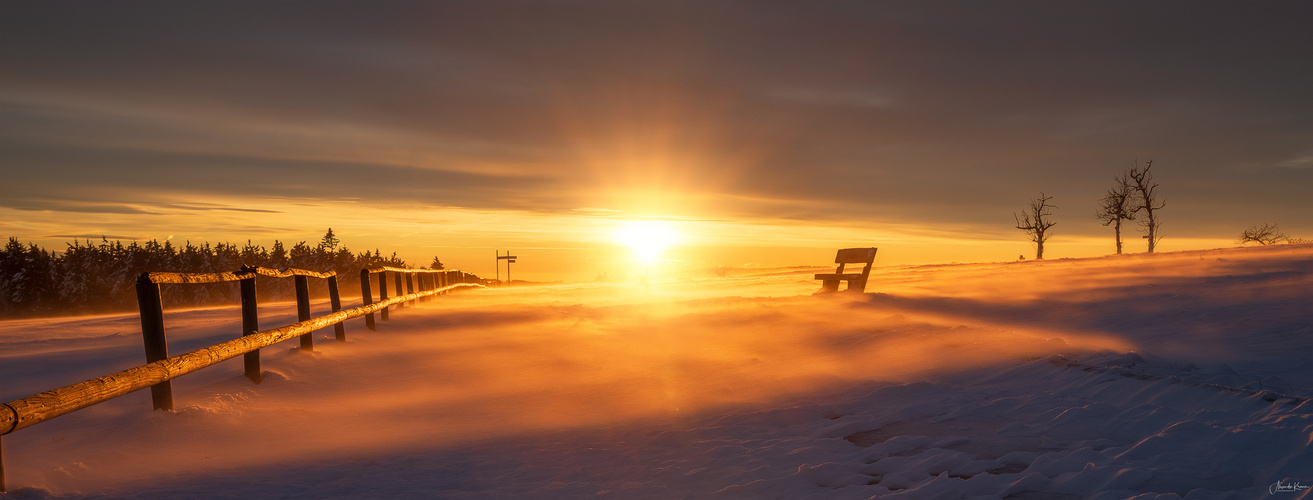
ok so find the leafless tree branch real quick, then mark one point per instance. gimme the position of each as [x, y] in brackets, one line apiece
[1266, 234]
[1034, 221]
[1117, 205]
[1148, 202]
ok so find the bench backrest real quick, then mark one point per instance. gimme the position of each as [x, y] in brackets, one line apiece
[855, 256]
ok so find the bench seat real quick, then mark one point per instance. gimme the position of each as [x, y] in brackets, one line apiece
[840, 277]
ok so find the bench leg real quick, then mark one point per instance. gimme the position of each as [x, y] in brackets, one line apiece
[829, 286]
[856, 286]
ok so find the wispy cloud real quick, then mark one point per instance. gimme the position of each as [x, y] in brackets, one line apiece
[826, 97]
[97, 236]
[215, 207]
[56, 205]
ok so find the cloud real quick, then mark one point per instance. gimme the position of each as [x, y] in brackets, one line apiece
[598, 211]
[940, 113]
[96, 236]
[214, 206]
[57, 205]
[818, 97]
[98, 171]
[1299, 162]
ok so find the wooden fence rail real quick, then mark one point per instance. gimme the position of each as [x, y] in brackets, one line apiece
[428, 279]
[31, 410]
[152, 314]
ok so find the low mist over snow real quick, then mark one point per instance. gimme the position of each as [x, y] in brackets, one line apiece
[1170, 374]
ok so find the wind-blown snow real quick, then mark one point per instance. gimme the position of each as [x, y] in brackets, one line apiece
[1159, 376]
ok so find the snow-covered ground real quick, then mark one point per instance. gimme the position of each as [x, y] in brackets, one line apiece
[1151, 376]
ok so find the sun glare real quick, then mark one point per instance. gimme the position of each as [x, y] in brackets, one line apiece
[647, 238]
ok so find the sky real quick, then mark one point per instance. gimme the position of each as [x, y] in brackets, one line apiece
[754, 134]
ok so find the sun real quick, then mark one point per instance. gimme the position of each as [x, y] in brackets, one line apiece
[647, 238]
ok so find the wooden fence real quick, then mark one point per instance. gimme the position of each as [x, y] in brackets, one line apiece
[160, 368]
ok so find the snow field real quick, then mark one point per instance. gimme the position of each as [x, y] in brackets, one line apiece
[1169, 376]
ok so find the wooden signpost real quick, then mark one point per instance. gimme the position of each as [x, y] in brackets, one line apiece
[510, 259]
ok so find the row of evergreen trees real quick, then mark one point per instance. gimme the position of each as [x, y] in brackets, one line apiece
[96, 278]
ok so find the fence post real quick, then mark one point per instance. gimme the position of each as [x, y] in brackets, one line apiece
[303, 310]
[339, 329]
[383, 293]
[410, 286]
[250, 324]
[397, 278]
[152, 335]
[367, 297]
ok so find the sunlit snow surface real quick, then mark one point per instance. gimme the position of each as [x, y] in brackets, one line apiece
[1182, 374]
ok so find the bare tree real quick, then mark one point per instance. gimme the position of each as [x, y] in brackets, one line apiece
[1266, 234]
[1148, 202]
[1116, 206]
[1034, 221]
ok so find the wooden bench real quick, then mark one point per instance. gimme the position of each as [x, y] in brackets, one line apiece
[856, 281]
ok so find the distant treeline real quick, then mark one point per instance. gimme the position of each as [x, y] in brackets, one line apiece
[95, 278]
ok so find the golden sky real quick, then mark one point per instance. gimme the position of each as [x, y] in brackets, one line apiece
[759, 134]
